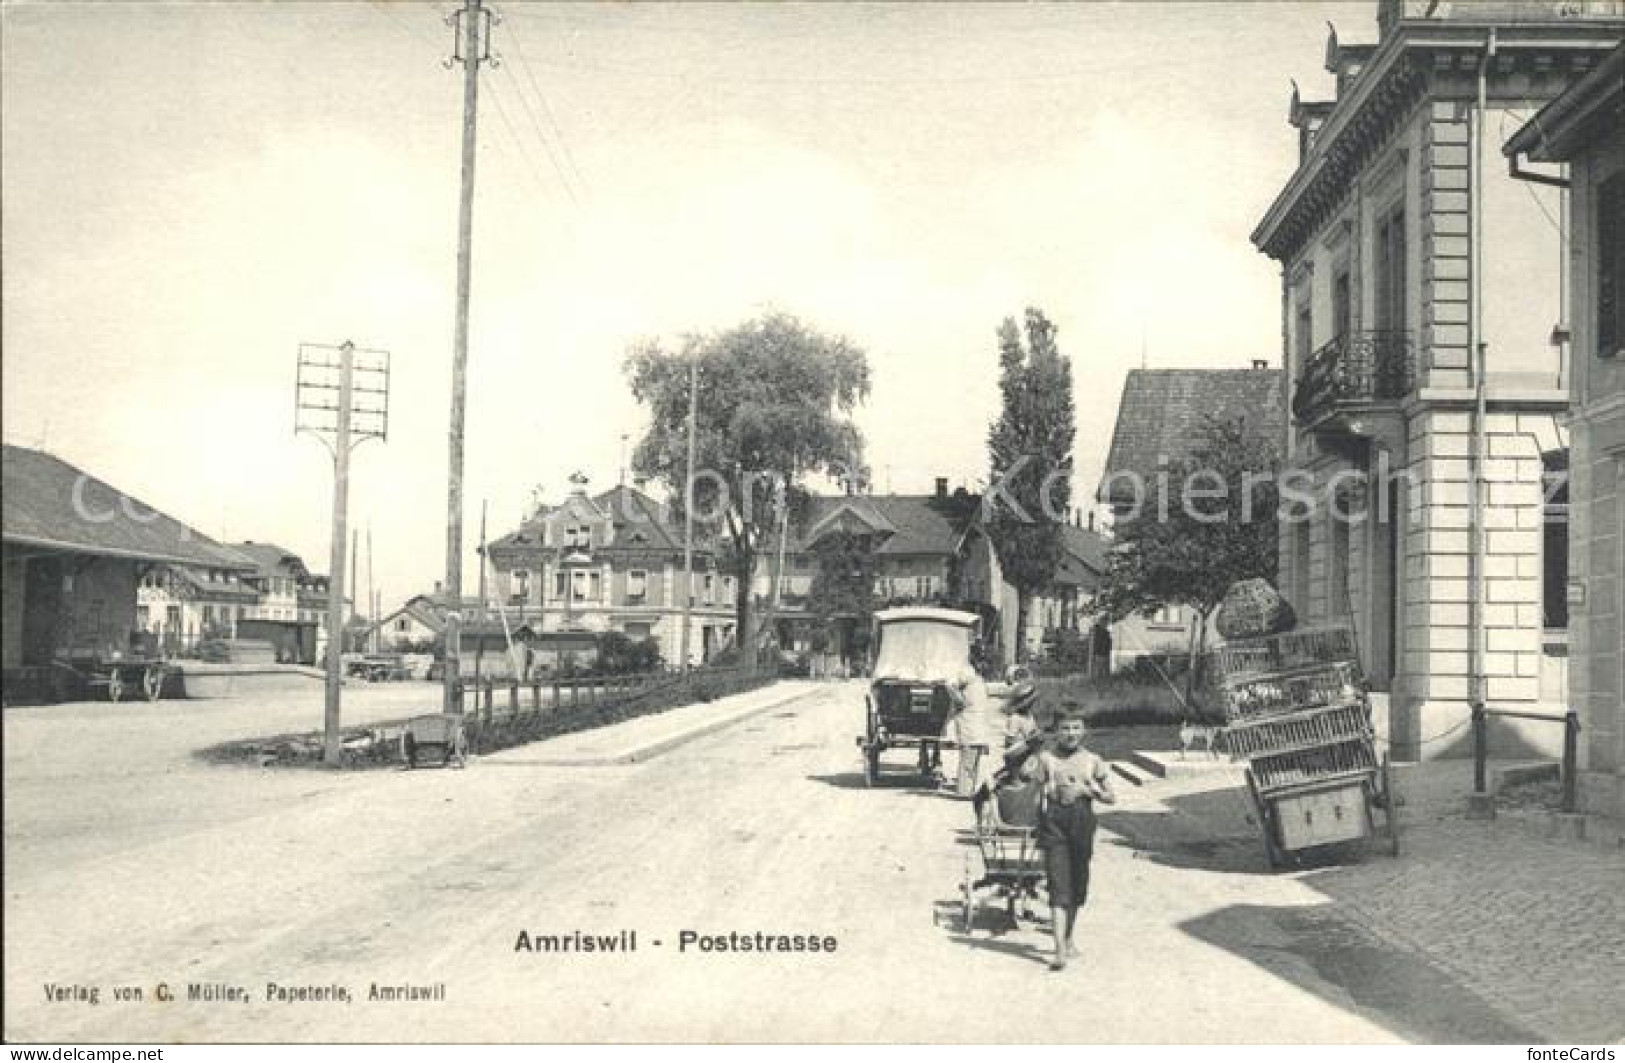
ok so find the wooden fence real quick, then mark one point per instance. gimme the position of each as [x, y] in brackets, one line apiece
[500, 713]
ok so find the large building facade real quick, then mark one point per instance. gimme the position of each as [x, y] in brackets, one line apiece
[1584, 129]
[1422, 313]
[611, 562]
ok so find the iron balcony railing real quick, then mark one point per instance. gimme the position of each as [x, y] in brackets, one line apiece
[1355, 368]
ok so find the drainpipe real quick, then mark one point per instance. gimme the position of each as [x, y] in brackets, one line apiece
[1477, 682]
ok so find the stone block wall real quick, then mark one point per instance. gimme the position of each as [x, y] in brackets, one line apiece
[1438, 576]
[1446, 250]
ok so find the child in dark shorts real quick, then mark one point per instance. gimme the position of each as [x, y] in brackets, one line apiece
[1072, 779]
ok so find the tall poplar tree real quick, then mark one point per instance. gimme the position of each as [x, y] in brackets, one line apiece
[1030, 460]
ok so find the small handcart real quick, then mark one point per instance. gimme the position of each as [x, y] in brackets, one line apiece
[1297, 709]
[1012, 863]
[437, 737]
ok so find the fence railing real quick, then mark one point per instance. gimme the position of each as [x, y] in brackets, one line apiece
[1357, 367]
[1571, 747]
[503, 712]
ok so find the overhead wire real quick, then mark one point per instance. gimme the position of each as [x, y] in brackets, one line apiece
[547, 108]
[518, 149]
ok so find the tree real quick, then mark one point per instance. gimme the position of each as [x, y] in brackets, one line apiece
[843, 587]
[775, 400]
[1211, 521]
[1030, 460]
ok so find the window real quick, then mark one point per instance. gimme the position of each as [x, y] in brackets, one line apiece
[595, 589]
[1611, 266]
[1169, 616]
[1300, 566]
[1554, 584]
[1341, 309]
[578, 586]
[710, 589]
[1388, 272]
[637, 586]
[559, 585]
[403, 625]
[142, 617]
[172, 618]
[521, 586]
[1341, 603]
[922, 587]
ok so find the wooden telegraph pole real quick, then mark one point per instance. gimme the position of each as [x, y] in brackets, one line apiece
[473, 39]
[342, 402]
[688, 512]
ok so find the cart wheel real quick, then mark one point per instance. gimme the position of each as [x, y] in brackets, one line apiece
[1266, 822]
[970, 900]
[115, 685]
[152, 682]
[1390, 810]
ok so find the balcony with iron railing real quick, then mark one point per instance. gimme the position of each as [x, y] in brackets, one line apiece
[1356, 372]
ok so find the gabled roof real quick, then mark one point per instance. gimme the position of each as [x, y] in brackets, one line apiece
[269, 559]
[639, 522]
[906, 524]
[56, 506]
[1162, 409]
[1088, 547]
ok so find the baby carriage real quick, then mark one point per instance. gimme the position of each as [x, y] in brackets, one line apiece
[1012, 863]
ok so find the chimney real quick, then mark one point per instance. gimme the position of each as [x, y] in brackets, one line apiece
[1261, 363]
[439, 587]
[942, 488]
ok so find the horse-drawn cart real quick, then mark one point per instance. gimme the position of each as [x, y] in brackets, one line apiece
[1297, 709]
[919, 653]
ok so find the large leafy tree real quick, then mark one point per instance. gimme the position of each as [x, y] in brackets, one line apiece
[1211, 521]
[1030, 459]
[775, 400]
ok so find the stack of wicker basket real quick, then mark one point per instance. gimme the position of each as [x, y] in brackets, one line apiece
[1295, 704]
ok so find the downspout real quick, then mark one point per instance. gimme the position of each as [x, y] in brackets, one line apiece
[1477, 682]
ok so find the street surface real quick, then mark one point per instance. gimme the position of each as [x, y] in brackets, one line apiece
[129, 863]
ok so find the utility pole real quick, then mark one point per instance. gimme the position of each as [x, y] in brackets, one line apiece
[342, 411]
[355, 554]
[479, 647]
[688, 509]
[472, 47]
[372, 599]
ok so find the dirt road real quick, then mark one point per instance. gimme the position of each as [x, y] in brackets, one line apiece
[215, 881]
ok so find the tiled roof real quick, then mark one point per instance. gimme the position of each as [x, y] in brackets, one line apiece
[638, 519]
[52, 504]
[911, 524]
[269, 559]
[1162, 410]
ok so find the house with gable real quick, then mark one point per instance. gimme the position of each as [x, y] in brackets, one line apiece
[610, 562]
[1159, 418]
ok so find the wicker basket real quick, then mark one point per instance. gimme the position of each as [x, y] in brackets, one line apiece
[1277, 653]
[1277, 694]
[1251, 608]
[1354, 757]
[1299, 731]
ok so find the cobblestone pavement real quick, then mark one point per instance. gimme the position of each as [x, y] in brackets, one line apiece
[1533, 927]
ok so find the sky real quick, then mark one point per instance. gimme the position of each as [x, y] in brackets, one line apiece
[191, 191]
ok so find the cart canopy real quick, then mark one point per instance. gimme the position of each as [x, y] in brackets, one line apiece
[922, 644]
